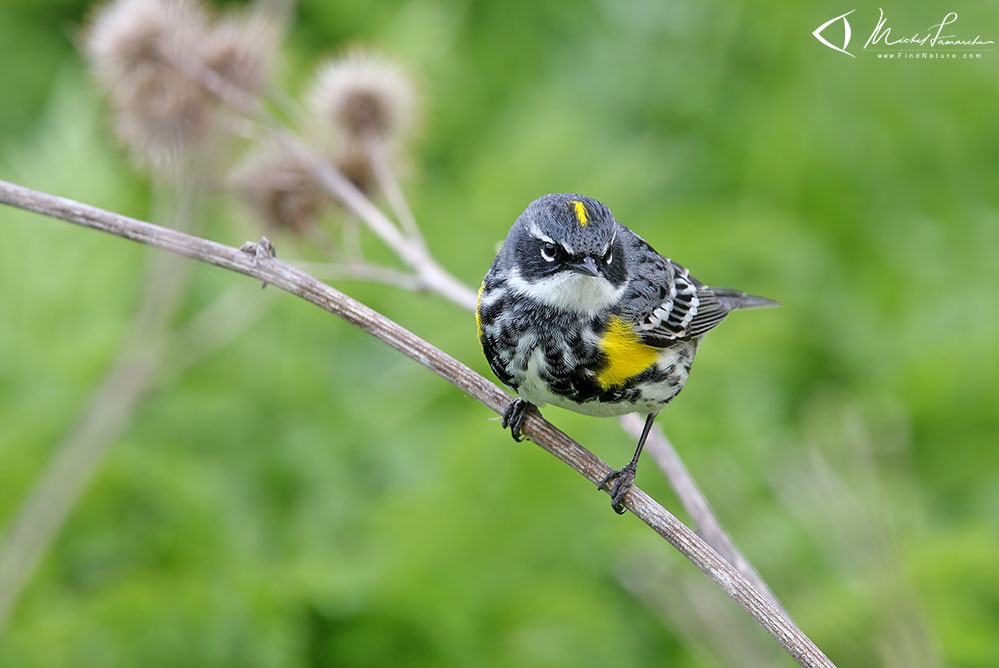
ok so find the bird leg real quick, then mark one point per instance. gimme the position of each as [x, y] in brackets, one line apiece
[513, 417]
[623, 478]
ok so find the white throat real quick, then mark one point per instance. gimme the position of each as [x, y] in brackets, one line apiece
[569, 291]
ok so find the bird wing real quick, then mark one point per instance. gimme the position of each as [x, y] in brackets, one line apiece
[665, 304]
[682, 308]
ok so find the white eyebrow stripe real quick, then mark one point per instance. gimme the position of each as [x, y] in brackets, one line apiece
[538, 234]
[567, 247]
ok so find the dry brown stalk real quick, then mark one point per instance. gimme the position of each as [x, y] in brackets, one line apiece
[255, 260]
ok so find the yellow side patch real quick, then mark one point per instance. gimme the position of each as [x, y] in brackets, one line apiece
[478, 304]
[581, 216]
[626, 355]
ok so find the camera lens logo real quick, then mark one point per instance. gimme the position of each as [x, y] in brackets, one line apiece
[846, 33]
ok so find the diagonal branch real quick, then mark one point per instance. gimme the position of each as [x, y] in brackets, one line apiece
[410, 247]
[270, 270]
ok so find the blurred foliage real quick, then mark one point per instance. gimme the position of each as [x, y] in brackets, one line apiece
[309, 497]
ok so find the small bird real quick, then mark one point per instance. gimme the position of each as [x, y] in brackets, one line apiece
[580, 312]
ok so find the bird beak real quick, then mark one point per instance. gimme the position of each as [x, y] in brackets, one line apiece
[587, 266]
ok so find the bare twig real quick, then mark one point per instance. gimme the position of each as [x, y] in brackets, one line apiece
[390, 186]
[410, 250]
[684, 485]
[659, 446]
[297, 282]
[430, 275]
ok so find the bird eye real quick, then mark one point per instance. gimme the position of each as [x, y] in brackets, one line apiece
[608, 257]
[549, 251]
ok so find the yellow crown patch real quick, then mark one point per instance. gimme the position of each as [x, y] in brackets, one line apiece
[581, 216]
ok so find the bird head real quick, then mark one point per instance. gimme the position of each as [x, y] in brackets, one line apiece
[565, 251]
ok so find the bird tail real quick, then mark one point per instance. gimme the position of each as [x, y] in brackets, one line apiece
[734, 299]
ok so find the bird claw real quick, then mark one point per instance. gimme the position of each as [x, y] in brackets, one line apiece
[514, 415]
[622, 480]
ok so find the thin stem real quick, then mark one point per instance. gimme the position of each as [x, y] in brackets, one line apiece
[389, 184]
[418, 257]
[284, 276]
[413, 253]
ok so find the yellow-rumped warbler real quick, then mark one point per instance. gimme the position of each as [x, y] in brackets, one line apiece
[580, 312]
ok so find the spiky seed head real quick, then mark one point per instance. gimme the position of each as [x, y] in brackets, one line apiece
[132, 46]
[239, 48]
[280, 189]
[166, 123]
[363, 95]
[129, 42]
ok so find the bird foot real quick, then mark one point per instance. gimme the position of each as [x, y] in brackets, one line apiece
[622, 480]
[514, 415]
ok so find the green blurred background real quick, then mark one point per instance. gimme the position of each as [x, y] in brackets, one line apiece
[307, 497]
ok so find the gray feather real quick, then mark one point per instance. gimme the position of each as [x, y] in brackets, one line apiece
[735, 299]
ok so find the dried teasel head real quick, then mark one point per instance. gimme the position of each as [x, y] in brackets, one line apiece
[168, 123]
[239, 48]
[129, 42]
[154, 57]
[282, 190]
[132, 46]
[363, 96]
